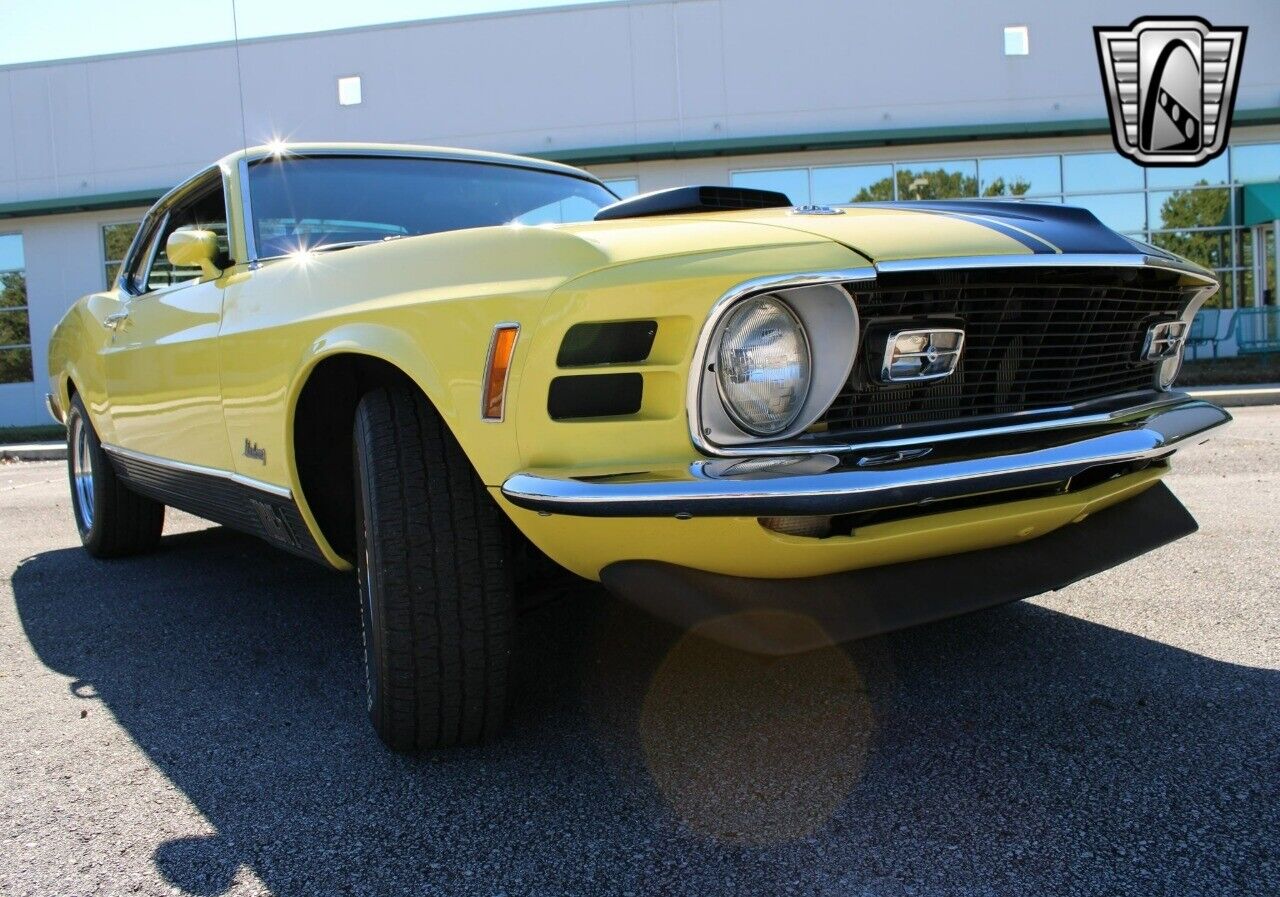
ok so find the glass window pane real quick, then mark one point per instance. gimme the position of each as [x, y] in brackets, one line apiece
[1211, 248]
[11, 252]
[205, 213]
[113, 271]
[792, 181]
[1119, 211]
[1252, 164]
[1025, 176]
[853, 183]
[1088, 172]
[938, 180]
[624, 187]
[1172, 209]
[15, 366]
[13, 290]
[1213, 172]
[575, 208]
[14, 328]
[308, 201]
[116, 239]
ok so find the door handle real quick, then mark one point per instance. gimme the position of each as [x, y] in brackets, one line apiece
[113, 321]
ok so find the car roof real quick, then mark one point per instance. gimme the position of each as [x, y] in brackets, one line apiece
[265, 151]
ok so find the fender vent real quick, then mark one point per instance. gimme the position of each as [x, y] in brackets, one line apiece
[594, 395]
[613, 342]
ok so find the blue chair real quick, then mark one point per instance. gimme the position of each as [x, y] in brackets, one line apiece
[1200, 335]
[1257, 331]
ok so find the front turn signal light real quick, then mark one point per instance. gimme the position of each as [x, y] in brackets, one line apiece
[496, 369]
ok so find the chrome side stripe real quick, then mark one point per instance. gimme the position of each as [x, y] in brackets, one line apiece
[184, 467]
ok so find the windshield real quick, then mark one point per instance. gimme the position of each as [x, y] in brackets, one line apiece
[331, 201]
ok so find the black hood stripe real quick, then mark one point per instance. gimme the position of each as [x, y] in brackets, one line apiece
[1043, 228]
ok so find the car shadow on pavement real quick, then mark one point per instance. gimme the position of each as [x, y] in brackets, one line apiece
[1017, 750]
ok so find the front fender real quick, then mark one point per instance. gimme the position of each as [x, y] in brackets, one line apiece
[75, 357]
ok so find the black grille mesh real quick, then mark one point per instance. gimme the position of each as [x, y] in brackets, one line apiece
[1033, 340]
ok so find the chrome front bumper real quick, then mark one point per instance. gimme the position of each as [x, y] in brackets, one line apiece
[51, 405]
[800, 486]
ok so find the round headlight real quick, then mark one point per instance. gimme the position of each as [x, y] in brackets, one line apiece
[763, 367]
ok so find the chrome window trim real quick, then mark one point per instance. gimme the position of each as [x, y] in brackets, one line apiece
[480, 157]
[152, 248]
[246, 212]
[693, 396]
[184, 467]
[163, 208]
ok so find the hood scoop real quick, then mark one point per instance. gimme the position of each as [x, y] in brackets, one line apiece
[685, 200]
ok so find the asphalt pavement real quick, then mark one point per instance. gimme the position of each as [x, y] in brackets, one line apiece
[193, 722]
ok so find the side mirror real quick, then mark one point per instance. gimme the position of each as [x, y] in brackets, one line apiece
[189, 248]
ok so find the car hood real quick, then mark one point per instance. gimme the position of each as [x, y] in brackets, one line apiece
[879, 232]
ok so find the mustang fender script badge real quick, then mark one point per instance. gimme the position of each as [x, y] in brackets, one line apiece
[1171, 86]
[251, 450]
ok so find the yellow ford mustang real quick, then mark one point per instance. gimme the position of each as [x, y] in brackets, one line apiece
[785, 424]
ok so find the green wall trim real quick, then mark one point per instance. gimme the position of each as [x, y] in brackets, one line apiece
[791, 143]
[695, 149]
[90, 203]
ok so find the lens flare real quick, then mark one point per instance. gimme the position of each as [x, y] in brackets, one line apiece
[756, 750]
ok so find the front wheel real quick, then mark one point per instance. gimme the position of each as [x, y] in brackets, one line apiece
[435, 578]
[112, 520]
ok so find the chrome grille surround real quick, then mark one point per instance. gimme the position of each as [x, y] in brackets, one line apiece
[1191, 284]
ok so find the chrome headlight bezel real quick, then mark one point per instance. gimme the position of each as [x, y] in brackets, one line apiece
[827, 312]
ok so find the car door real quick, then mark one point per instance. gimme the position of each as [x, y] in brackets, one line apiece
[161, 357]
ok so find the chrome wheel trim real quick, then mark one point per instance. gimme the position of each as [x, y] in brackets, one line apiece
[82, 471]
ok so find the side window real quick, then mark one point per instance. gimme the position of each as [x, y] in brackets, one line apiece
[208, 211]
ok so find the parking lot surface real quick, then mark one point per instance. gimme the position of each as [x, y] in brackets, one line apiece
[193, 722]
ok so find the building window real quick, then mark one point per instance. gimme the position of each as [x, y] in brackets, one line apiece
[794, 182]
[1194, 212]
[624, 187]
[1017, 41]
[116, 239]
[937, 180]
[15, 326]
[851, 183]
[1020, 176]
[1256, 163]
[349, 93]
[1100, 173]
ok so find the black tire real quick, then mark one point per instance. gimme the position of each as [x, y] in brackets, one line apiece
[112, 520]
[435, 579]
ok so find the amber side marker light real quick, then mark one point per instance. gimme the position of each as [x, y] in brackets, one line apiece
[501, 347]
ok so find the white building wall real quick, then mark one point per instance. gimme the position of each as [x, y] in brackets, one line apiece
[64, 261]
[539, 81]
[638, 72]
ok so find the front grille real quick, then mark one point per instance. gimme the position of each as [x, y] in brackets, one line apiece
[1033, 340]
